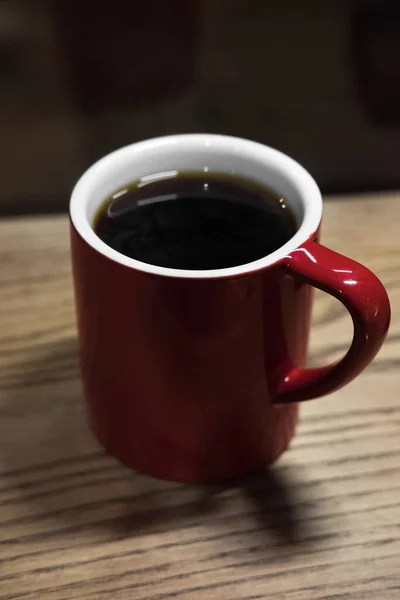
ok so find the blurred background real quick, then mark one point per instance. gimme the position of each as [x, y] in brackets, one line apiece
[318, 80]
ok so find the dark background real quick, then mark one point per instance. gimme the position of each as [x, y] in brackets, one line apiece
[318, 80]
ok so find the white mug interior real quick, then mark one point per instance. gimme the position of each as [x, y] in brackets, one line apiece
[197, 152]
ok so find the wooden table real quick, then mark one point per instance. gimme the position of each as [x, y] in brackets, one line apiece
[324, 523]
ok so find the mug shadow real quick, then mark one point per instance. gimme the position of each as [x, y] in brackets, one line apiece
[56, 477]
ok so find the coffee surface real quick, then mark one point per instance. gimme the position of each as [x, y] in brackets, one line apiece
[194, 221]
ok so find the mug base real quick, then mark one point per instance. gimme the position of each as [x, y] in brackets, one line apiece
[210, 471]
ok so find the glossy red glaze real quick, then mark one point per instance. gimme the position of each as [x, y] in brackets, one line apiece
[197, 380]
[367, 301]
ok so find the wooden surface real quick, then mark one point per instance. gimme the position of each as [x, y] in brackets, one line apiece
[324, 523]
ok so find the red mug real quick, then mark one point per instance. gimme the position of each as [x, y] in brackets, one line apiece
[196, 375]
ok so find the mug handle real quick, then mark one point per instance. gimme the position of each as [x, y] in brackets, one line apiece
[365, 298]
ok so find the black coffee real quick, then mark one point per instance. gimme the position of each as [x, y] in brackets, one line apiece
[194, 220]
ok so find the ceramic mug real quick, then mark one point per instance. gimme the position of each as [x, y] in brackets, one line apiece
[196, 375]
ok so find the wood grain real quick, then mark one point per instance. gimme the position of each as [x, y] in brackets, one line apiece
[324, 523]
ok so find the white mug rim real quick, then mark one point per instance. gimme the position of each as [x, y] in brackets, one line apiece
[306, 187]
